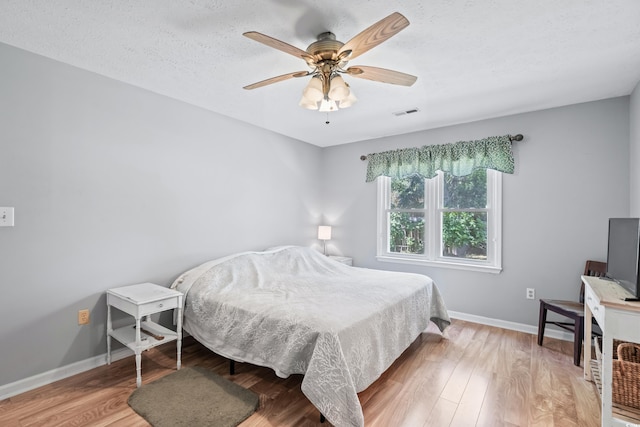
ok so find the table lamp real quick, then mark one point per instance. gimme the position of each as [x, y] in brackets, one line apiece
[324, 234]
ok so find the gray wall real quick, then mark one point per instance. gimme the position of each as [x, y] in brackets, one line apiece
[113, 185]
[634, 157]
[572, 174]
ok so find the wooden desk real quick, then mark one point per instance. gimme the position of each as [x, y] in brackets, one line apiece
[617, 318]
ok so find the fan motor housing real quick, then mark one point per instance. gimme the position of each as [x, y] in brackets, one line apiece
[326, 47]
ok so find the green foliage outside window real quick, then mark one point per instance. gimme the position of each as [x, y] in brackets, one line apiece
[407, 193]
[468, 191]
[407, 228]
[407, 232]
[464, 232]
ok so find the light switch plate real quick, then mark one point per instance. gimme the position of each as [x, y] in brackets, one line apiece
[6, 217]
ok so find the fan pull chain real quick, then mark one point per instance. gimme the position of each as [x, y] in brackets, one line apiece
[327, 122]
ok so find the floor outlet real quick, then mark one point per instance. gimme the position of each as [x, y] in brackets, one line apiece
[531, 293]
[83, 317]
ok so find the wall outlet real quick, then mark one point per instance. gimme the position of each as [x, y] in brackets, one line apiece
[83, 317]
[6, 217]
[531, 293]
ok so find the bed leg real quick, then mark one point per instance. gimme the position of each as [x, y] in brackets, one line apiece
[232, 367]
[322, 418]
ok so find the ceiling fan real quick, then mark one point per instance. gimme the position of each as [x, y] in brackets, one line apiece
[328, 58]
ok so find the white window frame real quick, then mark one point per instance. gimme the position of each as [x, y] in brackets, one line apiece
[433, 227]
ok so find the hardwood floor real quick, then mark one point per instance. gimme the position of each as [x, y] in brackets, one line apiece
[475, 376]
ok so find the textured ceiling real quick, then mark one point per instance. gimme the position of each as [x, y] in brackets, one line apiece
[474, 59]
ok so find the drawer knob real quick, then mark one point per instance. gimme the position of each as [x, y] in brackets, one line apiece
[160, 305]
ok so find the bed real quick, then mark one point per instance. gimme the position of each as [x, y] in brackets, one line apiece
[297, 311]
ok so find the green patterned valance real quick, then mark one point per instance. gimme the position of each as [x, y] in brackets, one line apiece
[459, 159]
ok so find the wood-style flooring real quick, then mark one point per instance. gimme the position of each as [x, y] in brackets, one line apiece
[475, 375]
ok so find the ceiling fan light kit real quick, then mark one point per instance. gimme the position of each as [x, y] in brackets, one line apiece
[337, 94]
[327, 57]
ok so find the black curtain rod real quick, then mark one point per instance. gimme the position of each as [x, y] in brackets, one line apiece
[512, 138]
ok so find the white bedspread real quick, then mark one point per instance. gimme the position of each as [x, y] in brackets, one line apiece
[298, 312]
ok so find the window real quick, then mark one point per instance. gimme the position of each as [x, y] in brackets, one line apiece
[446, 221]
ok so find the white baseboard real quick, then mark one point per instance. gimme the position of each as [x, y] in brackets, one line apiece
[39, 380]
[520, 327]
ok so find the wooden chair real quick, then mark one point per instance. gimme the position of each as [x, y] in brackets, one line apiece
[571, 310]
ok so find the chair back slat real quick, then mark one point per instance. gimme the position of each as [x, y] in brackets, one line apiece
[592, 268]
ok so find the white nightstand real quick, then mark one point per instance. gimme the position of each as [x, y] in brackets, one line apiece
[141, 301]
[342, 259]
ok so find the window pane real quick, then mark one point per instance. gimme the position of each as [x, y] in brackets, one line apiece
[464, 235]
[465, 192]
[407, 193]
[407, 232]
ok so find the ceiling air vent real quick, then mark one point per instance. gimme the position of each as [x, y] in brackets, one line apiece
[402, 113]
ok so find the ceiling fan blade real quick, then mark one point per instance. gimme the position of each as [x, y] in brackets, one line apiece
[277, 79]
[278, 44]
[382, 75]
[375, 34]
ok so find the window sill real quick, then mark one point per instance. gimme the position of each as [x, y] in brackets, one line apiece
[482, 268]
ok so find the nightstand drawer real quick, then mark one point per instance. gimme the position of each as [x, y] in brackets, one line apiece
[125, 305]
[157, 306]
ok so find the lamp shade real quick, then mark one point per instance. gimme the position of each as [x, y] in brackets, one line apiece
[324, 232]
[339, 89]
[349, 100]
[307, 103]
[313, 91]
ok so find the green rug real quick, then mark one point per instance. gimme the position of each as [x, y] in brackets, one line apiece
[193, 397]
